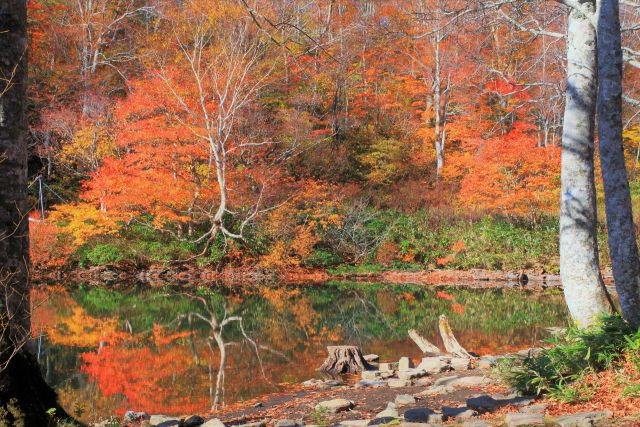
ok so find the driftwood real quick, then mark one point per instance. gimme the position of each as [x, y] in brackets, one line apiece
[425, 346]
[451, 344]
[344, 359]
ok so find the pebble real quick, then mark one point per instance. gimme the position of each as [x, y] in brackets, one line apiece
[213, 422]
[287, 423]
[371, 383]
[461, 413]
[354, 423]
[411, 374]
[484, 403]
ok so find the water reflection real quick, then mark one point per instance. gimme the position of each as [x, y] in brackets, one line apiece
[159, 350]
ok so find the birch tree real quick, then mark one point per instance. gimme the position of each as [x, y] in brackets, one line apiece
[582, 282]
[620, 226]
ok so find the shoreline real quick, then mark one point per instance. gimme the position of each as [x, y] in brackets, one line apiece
[162, 275]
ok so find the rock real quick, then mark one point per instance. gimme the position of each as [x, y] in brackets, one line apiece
[422, 415]
[584, 419]
[193, 421]
[376, 375]
[534, 408]
[288, 423]
[411, 374]
[133, 417]
[424, 381]
[322, 384]
[164, 421]
[517, 419]
[109, 422]
[354, 423]
[371, 383]
[256, 424]
[389, 412]
[335, 405]
[484, 403]
[434, 365]
[215, 422]
[487, 362]
[475, 423]
[405, 364]
[459, 414]
[371, 357]
[404, 400]
[388, 366]
[460, 363]
[382, 421]
[459, 382]
[398, 383]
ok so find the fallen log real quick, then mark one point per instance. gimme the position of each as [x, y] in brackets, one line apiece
[425, 346]
[451, 344]
[344, 359]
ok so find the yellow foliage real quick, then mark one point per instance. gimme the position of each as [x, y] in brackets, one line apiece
[88, 147]
[83, 221]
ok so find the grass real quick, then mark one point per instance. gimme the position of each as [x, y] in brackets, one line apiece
[559, 371]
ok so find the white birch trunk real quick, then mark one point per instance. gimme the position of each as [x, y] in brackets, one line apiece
[579, 264]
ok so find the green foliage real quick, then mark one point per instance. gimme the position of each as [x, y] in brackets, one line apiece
[100, 254]
[558, 370]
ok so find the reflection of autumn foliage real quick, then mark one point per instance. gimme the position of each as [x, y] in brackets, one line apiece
[155, 379]
[78, 329]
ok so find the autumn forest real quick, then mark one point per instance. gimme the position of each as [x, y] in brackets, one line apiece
[319, 212]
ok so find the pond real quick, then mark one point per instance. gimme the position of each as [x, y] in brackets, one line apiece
[107, 350]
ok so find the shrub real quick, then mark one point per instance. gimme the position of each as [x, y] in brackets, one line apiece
[557, 370]
[101, 254]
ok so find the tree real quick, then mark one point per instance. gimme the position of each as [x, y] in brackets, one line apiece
[582, 282]
[622, 231]
[24, 395]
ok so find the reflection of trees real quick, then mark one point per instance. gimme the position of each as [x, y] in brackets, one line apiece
[290, 328]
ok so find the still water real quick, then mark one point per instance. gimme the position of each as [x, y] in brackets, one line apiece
[107, 350]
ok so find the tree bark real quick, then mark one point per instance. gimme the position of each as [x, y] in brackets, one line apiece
[584, 289]
[25, 398]
[621, 229]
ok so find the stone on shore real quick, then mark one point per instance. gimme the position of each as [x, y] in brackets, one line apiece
[335, 405]
[389, 412]
[371, 383]
[484, 403]
[133, 417]
[398, 383]
[584, 419]
[434, 365]
[519, 419]
[164, 421]
[354, 423]
[371, 357]
[215, 422]
[388, 366]
[405, 364]
[404, 400]
[376, 375]
[411, 374]
[422, 415]
[288, 423]
[193, 421]
[459, 414]
[460, 363]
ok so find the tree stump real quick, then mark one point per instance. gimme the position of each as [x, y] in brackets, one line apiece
[344, 359]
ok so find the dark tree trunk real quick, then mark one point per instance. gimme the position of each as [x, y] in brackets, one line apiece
[622, 233]
[25, 398]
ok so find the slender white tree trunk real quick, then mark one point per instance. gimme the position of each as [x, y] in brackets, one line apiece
[622, 234]
[584, 289]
